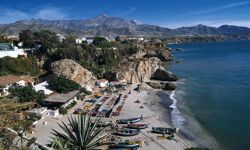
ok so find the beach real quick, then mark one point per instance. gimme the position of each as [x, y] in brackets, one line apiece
[156, 113]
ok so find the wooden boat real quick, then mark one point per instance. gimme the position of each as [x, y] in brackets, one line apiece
[130, 120]
[125, 145]
[161, 130]
[126, 132]
[137, 126]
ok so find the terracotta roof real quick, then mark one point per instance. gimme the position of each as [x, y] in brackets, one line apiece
[61, 98]
[9, 79]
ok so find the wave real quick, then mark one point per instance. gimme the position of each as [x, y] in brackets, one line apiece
[187, 123]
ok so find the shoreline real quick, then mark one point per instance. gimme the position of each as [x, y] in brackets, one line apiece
[156, 114]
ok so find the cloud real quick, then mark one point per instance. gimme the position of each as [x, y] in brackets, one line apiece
[50, 13]
[227, 6]
[8, 15]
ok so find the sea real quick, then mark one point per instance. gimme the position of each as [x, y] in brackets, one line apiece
[212, 100]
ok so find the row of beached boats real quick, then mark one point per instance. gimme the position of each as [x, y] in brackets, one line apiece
[132, 128]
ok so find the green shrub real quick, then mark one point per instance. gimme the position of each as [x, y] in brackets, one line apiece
[27, 94]
[19, 66]
[63, 110]
[62, 85]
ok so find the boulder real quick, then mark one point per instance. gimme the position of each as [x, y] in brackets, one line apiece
[73, 71]
[162, 85]
[144, 87]
[164, 75]
[163, 55]
[168, 86]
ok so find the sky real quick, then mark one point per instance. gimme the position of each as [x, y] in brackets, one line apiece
[165, 13]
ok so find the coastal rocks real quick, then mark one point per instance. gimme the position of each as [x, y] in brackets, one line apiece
[163, 55]
[164, 75]
[162, 85]
[135, 71]
[142, 71]
[144, 87]
[73, 71]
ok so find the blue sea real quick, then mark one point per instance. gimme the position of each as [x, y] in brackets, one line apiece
[213, 95]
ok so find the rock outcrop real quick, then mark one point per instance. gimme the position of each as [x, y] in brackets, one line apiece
[73, 71]
[144, 87]
[135, 71]
[162, 85]
[163, 55]
[164, 75]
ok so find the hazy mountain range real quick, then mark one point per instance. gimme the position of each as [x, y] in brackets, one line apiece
[108, 25]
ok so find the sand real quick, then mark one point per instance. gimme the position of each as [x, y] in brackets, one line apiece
[155, 115]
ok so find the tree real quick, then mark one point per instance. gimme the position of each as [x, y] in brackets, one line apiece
[62, 85]
[27, 94]
[118, 38]
[27, 37]
[48, 40]
[81, 134]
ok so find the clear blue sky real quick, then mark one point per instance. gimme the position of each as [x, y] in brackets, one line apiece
[167, 13]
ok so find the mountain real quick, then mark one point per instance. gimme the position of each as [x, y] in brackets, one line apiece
[108, 25]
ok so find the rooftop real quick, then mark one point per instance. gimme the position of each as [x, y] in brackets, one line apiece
[102, 80]
[43, 86]
[9, 79]
[61, 98]
[5, 46]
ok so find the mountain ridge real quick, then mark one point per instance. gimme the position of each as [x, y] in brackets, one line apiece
[109, 25]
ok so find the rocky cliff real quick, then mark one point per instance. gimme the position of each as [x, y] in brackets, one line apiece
[135, 71]
[73, 71]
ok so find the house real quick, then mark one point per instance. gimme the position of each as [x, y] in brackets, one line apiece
[60, 37]
[10, 80]
[11, 37]
[39, 112]
[102, 83]
[61, 100]
[43, 87]
[7, 49]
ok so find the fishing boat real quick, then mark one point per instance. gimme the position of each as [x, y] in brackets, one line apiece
[137, 126]
[130, 120]
[162, 130]
[125, 145]
[127, 132]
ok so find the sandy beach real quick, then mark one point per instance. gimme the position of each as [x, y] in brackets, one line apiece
[155, 115]
[154, 112]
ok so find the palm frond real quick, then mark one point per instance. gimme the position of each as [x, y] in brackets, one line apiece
[81, 133]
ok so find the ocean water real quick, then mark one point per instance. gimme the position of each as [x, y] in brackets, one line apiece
[213, 95]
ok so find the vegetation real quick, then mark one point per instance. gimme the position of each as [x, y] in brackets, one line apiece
[64, 111]
[97, 57]
[19, 66]
[27, 94]
[62, 85]
[81, 134]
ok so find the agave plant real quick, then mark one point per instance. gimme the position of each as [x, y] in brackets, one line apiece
[82, 133]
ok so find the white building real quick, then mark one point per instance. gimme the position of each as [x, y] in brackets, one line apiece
[43, 87]
[7, 81]
[60, 37]
[7, 49]
[102, 83]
